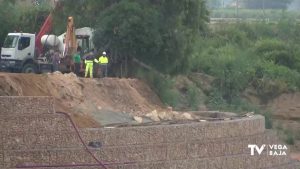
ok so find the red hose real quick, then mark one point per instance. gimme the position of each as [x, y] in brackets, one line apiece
[59, 166]
[78, 134]
[100, 163]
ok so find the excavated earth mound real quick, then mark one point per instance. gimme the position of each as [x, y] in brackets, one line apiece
[81, 97]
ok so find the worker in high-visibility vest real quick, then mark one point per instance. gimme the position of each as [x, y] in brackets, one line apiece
[77, 62]
[89, 63]
[103, 62]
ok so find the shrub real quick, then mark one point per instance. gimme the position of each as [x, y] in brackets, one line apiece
[232, 35]
[289, 137]
[193, 96]
[162, 85]
[269, 45]
[268, 120]
[216, 101]
[284, 74]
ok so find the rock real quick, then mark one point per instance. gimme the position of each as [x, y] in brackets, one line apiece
[169, 116]
[57, 73]
[138, 119]
[161, 114]
[153, 113]
[250, 114]
[153, 116]
[187, 116]
[176, 115]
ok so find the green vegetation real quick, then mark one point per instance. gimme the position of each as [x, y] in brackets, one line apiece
[163, 86]
[289, 137]
[159, 33]
[6, 19]
[193, 97]
[14, 17]
[268, 120]
[173, 38]
[259, 56]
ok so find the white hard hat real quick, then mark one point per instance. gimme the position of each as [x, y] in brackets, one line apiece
[104, 53]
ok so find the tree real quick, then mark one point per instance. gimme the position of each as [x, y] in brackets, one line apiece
[128, 29]
[7, 19]
[160, 33]
[85, 13]
[21, 19]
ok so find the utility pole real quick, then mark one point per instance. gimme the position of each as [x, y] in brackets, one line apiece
[263, 1]
[237, 8]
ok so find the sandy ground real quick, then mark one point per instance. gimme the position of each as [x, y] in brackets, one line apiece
[84, 98]
[295, 156]
[286, 106]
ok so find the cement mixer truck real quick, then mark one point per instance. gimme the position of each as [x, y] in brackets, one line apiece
[29, 53]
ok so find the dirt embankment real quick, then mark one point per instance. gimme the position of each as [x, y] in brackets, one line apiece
[286, 106]
[286, 111]
[80, 97]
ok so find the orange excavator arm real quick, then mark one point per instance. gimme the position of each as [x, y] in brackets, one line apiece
[70, 42]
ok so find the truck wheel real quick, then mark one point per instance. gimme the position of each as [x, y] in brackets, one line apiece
[28, 68]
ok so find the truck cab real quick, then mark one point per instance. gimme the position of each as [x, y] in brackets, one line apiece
[18, 53]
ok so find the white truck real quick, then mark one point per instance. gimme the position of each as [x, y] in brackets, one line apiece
[19, 51]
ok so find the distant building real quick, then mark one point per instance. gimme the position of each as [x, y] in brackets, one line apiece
[225, 3]
[235, 3]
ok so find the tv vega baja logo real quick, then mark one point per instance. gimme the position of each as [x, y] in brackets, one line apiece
[272, 150]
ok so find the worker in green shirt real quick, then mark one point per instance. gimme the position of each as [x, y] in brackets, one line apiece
[77, 61]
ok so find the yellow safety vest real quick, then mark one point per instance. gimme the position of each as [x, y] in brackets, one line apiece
[88, 61]
[103, 60]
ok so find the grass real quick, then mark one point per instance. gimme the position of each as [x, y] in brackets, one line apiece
[290, 140]
[193, 97]
[162, 85]
[268, 120]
